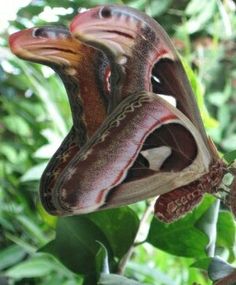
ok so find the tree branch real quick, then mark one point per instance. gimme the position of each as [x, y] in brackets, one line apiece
[127, 256]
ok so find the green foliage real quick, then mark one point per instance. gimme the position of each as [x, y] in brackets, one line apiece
[230, 156]
[172, 237]
[227, 242]
[36, 248]
[85, 234]
[112, 279]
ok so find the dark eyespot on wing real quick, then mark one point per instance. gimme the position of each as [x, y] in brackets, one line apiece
[105, 12]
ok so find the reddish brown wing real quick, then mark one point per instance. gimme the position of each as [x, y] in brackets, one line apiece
[144, 51]
[85, 73]
[82, 70]
[102, 164]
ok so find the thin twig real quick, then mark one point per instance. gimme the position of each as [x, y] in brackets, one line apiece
[136, 241]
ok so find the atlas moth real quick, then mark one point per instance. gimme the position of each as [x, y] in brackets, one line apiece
[140, 52]
[153, 159]
[87, 89]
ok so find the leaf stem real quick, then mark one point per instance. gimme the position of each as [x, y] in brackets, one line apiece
[127, 256]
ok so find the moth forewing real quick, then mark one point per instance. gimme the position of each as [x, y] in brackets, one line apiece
[163, 182]
[102, 164]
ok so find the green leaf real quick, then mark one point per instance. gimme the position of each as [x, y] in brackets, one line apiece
[41, 87]
[33, 229]
[229, 142]
[17, 125]
[113, 279]
[21, 242]
[90, 279]
[202, 263]
[82, 233]
[224, 116]
[209, 122]
[207, 224]
[194, 6]
[142, 271]
[201, 17]
[34, 173]
[119, 226]
[35, 267]
[230, 156]
[11, 255]
[47, 151]
[47, 218]
[183, 237]
[226, 224]
[102, 264]
[155, 8]
[10, 152]
[76, 243]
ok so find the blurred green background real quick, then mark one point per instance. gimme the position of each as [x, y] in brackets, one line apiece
[35, 117]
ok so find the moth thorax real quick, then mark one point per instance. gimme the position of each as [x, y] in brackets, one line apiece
[211, 181]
